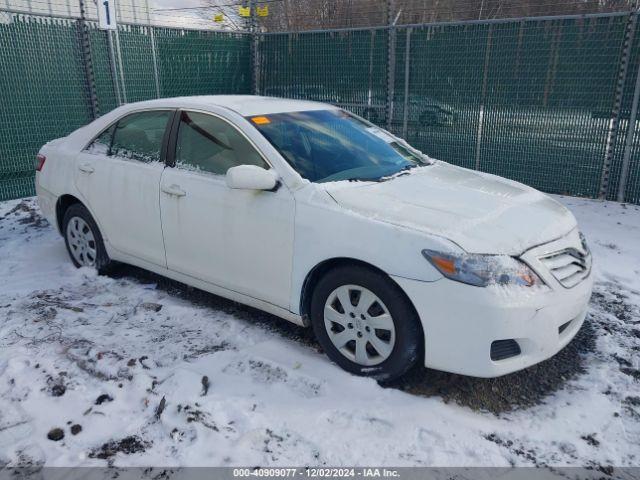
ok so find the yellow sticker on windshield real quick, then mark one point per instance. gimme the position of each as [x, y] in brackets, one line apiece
[260, 120]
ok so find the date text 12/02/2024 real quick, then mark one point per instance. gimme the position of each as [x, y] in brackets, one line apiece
[317, 472]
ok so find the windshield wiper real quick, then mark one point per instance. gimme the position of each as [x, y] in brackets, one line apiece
[359, 179]
[403, 171]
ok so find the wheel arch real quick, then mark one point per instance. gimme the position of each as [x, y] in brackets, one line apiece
[62, 204]
[319, 270]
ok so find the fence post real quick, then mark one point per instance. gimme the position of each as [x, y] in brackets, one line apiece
[255, 53]
[626, 159]
[119, 54]
[112, 65]
[614, 124]
[85, 44]
[372, 41]
[153, 49]
[407, 66]
[391, 62]
[485, 78]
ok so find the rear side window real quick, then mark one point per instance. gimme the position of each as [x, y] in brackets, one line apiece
[208, 144]
[139, 136]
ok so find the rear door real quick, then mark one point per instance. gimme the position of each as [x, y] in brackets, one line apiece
[118, 175]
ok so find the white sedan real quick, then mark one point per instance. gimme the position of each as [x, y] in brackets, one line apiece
[313, 214]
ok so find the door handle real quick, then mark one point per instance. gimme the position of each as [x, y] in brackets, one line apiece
[174, 190]
[86, 168]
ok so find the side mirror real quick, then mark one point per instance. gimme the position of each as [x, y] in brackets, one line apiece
[251, 177]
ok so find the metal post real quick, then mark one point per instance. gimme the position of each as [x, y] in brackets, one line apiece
[487, 56]
[407, 64]
[114, 70]
[617, 104]
[153, 49]
[626, 159]
[119, 53]
[88, 64]
[391, 63]
[370, 89]
[255, 45]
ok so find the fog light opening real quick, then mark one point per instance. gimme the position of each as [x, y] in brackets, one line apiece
[503, 349]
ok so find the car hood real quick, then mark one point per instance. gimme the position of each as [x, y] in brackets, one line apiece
[481, 213]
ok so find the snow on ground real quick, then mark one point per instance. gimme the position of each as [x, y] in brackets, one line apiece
[136, 370]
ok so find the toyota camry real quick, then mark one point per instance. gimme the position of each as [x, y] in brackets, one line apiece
[315, 215]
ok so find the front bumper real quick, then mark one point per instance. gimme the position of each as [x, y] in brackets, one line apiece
[460, 322]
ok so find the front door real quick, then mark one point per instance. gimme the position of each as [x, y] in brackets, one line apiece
[240, 240]
[119, 175]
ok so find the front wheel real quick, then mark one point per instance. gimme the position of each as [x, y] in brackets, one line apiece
[365, 323]
[83, 239]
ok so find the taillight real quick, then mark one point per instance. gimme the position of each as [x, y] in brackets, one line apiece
[40, 159]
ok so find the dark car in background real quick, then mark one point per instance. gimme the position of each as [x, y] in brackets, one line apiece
[423, 110]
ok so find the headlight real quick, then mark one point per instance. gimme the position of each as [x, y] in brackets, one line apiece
[483, 270]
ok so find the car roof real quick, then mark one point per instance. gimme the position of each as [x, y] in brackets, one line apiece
[245, 105]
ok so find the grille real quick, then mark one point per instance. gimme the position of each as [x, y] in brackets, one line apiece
[502, 349]
[569, 266]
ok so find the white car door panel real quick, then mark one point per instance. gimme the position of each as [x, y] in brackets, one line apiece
[123, 193]
[123, 196]
[241, 240]
[237, 239]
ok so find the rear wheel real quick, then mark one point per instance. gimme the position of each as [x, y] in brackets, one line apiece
[83, 239]
[365, 323]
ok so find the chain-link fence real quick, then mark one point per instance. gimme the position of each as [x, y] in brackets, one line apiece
[548, 101]
[46, 90]
[544, 101]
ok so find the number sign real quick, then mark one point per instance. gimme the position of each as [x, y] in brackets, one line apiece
[107, 14]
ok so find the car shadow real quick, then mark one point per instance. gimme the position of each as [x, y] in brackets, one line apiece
[511, 392]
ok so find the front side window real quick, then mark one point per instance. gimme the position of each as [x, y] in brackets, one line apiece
[331, 145]
[101, 145]
[209, 144]
[139, 136]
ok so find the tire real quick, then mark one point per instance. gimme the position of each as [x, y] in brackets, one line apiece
[404, 341]
[83, 239]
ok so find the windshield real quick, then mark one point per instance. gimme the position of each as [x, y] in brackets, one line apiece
[331, 145]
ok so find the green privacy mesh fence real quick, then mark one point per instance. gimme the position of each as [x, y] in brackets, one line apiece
[44, 91]
[188, 62]
[348, 68]
[529, 111]
[632, 190]
[531, 100]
